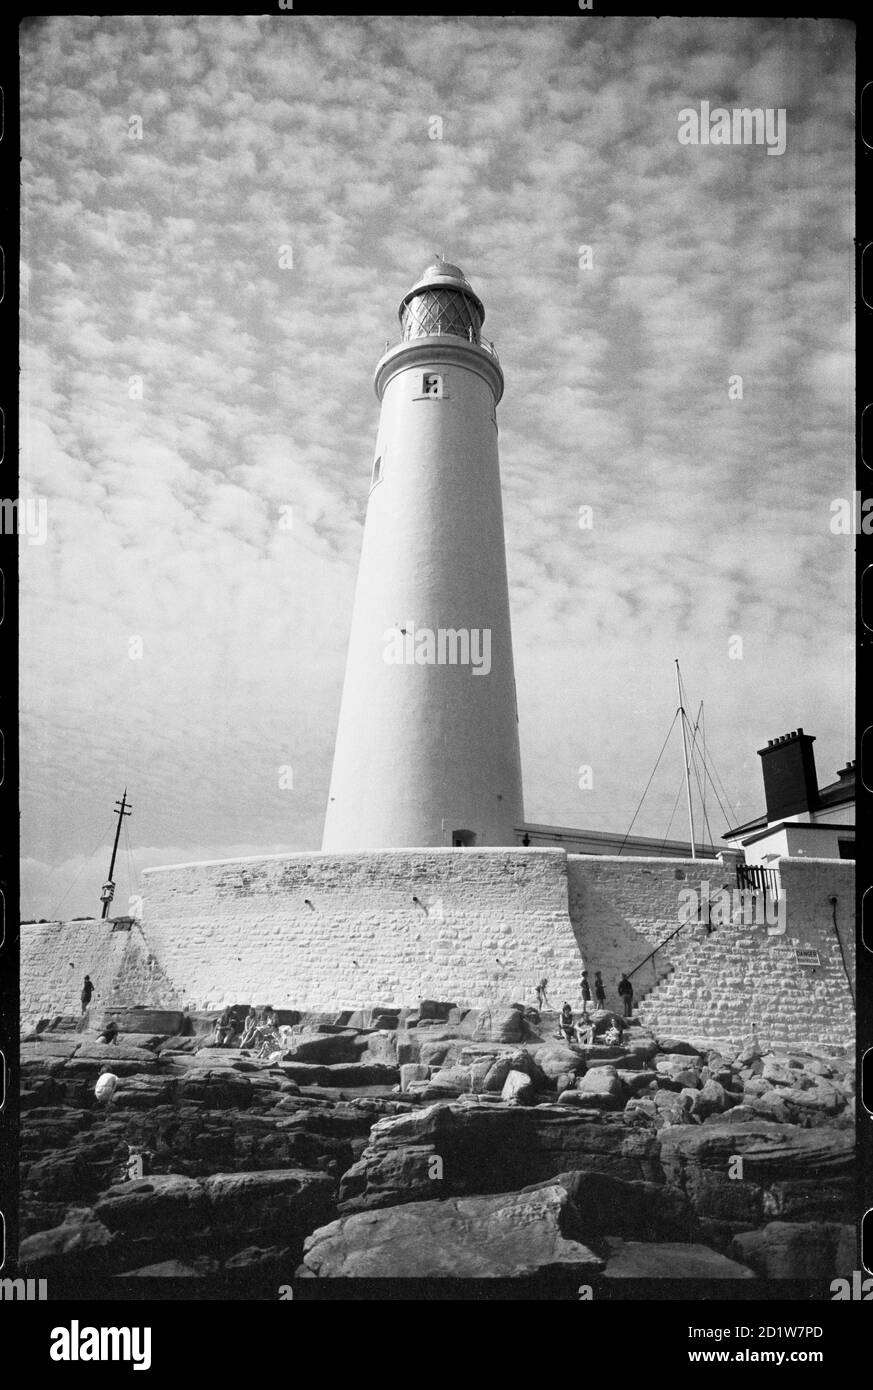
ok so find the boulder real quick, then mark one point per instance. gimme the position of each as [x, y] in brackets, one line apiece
[671, 1108]
[678, 1047]
[557, 1059]
[509, 1025]
[441, 1052]
[613, 1206]
[777, 1071]
[80, 1245]
[435, 1009]
[796, 1250]
[495, 1078]
[770, 1106]
[696, 1160]
[636, 1082]
[163, 1202]
[407, 1174]
[167, 1022]
[479, 1074]
[603, 1089]
[709, 1100]
[324, 1048]
[677, 1071]
[644, 1106]
[412, 1071]
[171, 1269]
[768, 1150]
[737, 1115]
[498, 1147]
[580, 1101]
[342, 1074]
[635, 1259]
[800, 1199]
[49, 1045]
[284, 1202]
[455, 1077]
[385, 1016]
[260, 1260]
[377, 1047]
[518, 1089]
[822, 1099]
[516, 1235]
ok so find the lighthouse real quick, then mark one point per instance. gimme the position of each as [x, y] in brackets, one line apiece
[427, 748]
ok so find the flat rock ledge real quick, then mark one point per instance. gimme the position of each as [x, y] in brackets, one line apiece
[525, 1233]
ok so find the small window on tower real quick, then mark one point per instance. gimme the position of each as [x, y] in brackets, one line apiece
[432, 385]
[377, 472]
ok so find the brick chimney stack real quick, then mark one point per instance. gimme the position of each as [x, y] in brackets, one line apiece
[790, 781]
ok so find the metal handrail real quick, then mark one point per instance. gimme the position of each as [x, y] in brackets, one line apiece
[657, 948]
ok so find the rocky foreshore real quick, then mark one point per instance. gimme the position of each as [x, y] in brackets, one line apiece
[433, 1142]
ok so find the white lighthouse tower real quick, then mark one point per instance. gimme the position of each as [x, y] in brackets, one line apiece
[427, 745]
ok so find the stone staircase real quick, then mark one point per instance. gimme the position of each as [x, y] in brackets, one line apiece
[734, 982]
[666, 962]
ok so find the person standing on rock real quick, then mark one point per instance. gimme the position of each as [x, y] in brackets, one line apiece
[87, 991]
[542, 1001]
[599, 990]
[626, 990]
[586, 993]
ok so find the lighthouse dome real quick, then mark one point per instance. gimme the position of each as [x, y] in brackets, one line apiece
[445, 268]
[442, 302]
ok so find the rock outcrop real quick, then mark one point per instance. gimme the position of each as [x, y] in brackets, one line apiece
[637, 1159]
[513, 1236]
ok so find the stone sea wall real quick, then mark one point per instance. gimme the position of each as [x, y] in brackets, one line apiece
[325, 931]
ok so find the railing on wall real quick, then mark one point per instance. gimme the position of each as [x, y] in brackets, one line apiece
[759, 880]
[653, 953]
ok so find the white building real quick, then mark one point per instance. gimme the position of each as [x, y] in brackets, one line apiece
[801, 819]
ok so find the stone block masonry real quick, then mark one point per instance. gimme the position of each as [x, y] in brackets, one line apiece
[739, 980]
[622, 908]
[333, 931]
[56, 957]
[478, 927]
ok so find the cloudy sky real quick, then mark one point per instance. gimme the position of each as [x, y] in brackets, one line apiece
[186, 396]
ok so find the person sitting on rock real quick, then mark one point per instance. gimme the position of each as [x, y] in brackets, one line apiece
[110, 1033]
[267, 1033]
[220, 1029]
[249, 1028]
[608, 1028]
[585, 1031]
[565, 1022]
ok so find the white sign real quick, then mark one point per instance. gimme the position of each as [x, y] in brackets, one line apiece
[807, 957]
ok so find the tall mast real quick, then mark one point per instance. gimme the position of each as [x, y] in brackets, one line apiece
[687, 762]
[108, 891]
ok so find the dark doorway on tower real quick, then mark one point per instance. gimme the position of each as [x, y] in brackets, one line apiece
[462, 839]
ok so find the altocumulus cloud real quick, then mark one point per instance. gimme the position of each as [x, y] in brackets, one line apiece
[158, 260]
